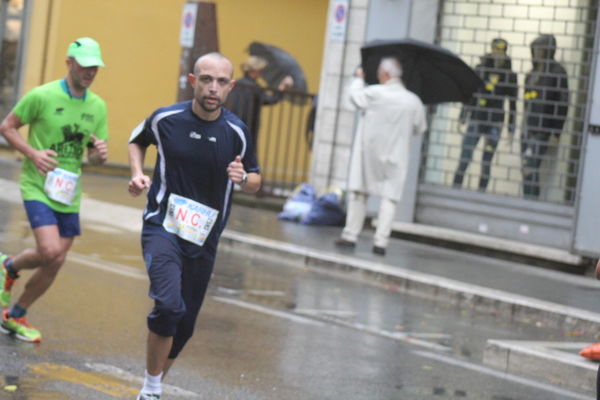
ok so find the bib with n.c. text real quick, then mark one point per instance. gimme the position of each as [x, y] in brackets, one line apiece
[188, 219]
[61, 185]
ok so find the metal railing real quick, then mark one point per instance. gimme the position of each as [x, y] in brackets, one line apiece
[283, 137]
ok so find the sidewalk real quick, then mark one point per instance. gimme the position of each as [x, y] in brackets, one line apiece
[510, 290]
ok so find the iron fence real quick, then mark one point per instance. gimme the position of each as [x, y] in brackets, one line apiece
[284, 127]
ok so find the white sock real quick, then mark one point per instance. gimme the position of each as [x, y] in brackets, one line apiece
[152, 383]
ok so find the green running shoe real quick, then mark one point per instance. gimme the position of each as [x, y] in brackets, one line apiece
[6, 281]
[20, 328]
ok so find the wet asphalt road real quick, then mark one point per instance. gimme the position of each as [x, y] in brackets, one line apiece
[266, 331]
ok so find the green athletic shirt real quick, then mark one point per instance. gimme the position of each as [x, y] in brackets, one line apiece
[62, 123]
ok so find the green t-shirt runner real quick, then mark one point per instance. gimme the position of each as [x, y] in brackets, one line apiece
[63, 123]
[65, 120]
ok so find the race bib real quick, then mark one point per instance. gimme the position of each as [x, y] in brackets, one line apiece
[61, 185]
[190, 220]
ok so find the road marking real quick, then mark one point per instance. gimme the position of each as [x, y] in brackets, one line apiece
[253, 292]
[404, 337]
[107, 266]
[104, 229]
[398, 336]
[268, 311]
[127, 376]
[314, 320]
[429, 335]
[553, 352]
[345, 314]
[313, 312]
[105, 384]
[104, 378]
[273, 293]
[557, 363]
[502, 375]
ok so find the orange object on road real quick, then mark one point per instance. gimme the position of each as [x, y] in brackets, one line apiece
[592, 352]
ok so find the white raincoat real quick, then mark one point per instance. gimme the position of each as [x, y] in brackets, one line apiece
[390, 114]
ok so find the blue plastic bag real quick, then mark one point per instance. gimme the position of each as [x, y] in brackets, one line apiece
[326, 210]
[299, 203]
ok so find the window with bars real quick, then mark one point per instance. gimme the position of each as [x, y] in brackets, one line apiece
[521, 134]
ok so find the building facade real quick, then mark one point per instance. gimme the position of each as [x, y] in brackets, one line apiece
[142, 48]
[530, 179]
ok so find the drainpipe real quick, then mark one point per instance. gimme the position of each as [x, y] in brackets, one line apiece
[339, 98]
[46, 42]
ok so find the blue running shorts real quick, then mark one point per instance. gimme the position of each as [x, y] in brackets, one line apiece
[40, 214]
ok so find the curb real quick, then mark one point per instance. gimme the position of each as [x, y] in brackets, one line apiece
[556, 363]
[502, 304]
[544, 256]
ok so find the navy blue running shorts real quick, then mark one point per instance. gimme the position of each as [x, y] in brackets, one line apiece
[177, 286]
[40, 214]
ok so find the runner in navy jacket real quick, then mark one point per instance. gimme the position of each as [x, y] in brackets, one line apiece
[202, 151]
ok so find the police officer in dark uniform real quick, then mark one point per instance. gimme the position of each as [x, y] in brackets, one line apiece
[546, 107]
[485, 113]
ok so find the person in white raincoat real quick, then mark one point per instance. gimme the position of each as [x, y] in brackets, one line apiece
[391, 114]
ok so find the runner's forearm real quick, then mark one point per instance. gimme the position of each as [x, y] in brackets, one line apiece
[9, 129]
[253, 184]
[13, 137]
[137, 154]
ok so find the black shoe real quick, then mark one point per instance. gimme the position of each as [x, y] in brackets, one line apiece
[344, 243]
[380, 251]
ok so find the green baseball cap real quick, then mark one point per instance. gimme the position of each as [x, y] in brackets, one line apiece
[86, 51]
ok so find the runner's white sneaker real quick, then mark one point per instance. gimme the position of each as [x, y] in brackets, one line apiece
[148, 396]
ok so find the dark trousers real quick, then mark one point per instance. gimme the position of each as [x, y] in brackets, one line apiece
[475, 131]
[177, 286]
[534, 146]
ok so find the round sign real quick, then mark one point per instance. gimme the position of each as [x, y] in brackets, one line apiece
[188, 18]
[340, 13]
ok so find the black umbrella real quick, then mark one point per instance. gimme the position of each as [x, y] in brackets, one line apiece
[434, 73]
[280, 64]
